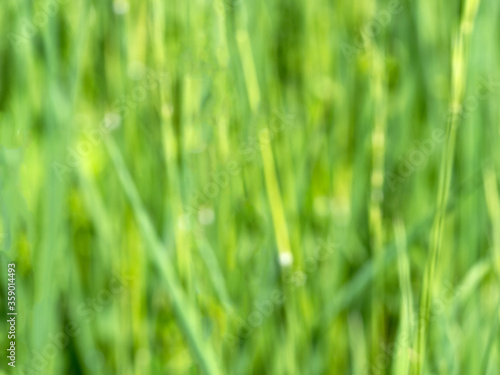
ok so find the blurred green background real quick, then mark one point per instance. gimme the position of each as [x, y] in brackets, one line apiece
[251, 187]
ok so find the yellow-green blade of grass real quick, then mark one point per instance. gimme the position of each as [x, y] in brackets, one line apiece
[184, 311]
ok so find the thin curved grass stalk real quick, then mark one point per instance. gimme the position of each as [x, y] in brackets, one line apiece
[459, 70]
[493, 200]
[271, 179]
[491, 340]
[402, 361]
[361, 281]
[185, 312]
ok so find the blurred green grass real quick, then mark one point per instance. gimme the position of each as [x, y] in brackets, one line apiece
[118, 124]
